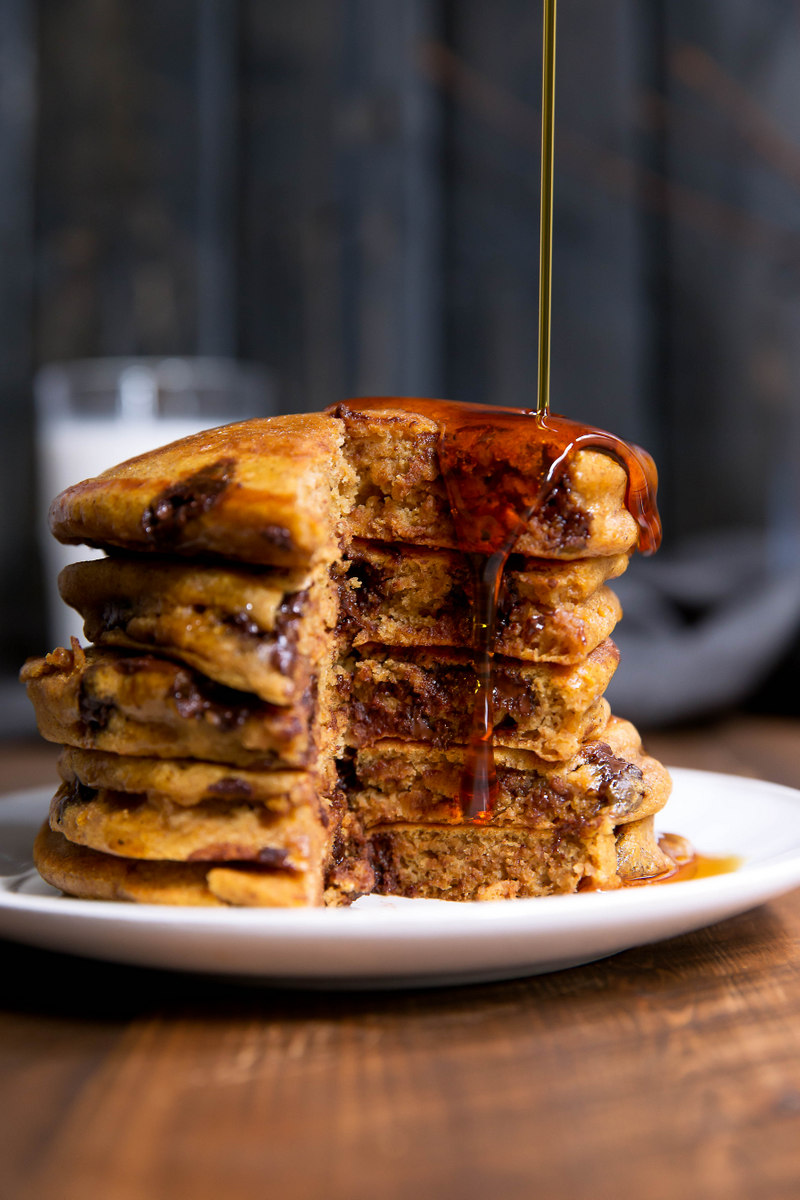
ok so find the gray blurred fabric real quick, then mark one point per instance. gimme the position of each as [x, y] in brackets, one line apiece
[703, 626]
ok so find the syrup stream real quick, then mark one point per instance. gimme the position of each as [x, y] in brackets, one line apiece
[546, 204]
[479, 785]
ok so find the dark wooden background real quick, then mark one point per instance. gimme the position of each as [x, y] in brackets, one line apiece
[346, 191]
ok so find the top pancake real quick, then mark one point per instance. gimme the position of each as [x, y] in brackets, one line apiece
[402, 497]
[274, 491]
[267, 491]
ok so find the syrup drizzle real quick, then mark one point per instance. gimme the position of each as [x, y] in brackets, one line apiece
[546, 203]
[686, 866]
[506, 470]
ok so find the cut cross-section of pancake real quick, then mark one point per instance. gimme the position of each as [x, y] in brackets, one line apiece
[428, 696]
[143, 705]
[264, 630]
[465, 862]
[403, 597]
[402, 497]
[265, 491]
[609, 778]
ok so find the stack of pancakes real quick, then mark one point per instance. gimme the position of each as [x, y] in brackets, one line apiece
[576, 795]
[200, 761]
[277, 701]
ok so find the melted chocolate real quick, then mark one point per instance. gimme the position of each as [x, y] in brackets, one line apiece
[616, 780]
[71, 793]
[287, 630]
[505, 469]
[114, 614]
[232, 787]
[94, 712]
[241, 858]
[243, 623]
[198, 698]
[164, 520]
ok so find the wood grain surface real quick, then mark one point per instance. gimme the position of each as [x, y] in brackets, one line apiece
[668, 1071]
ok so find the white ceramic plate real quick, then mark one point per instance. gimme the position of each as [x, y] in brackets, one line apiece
[387, 942]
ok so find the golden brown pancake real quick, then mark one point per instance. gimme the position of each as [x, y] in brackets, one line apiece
[142, 705]
[135, 825]
[267, 491]
[186, 782]
[264, 631]
[272, 491]
[79, 871]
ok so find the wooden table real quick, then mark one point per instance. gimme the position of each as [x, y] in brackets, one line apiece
[668, 1071]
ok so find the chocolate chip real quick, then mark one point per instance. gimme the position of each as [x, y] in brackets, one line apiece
[114, 614]
[382, 861]
[243, 623]
[240, 857]
[165, 519]
[278, 536]
[93, 711]
[616, 779]
[284, 652]
[231, 787]
[222, 706]
[564, 524]
[71, 793]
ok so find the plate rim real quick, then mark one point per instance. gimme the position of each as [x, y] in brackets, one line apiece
[423, 943]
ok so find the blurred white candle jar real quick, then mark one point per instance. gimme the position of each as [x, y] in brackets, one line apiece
[94, 413]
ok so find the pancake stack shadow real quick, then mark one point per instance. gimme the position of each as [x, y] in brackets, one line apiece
[275, 702]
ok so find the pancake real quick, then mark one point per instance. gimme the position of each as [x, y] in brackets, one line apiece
[268, 491]
[503, 863]
[428, 696]
[609, 779]
[272, 491]
[466, 862]
[263, 631]
[401, 494]
[639, 855]
[142, 705]
[551, 583]
[187, 783]
[135, 825]
[91, 875]
[402, 597]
